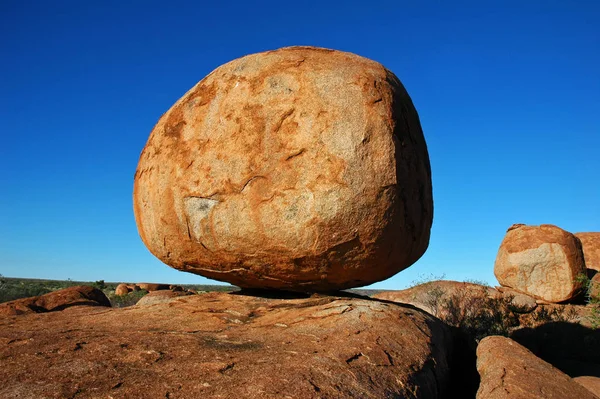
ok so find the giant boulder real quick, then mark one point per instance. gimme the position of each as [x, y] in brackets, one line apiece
[301, 169]
[542, 261]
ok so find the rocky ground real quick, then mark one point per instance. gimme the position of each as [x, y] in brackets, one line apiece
[177, 344]
[220, 345]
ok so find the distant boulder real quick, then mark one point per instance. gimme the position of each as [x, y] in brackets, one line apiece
[152, 286]
[122, 289]
[57, 300]
[542, 261]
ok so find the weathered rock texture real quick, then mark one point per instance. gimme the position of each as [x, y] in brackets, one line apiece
[510, 371]
[229, 346]
[542, 261]
[56, 300]
[592, 384]
[590, 242]
[300, 169]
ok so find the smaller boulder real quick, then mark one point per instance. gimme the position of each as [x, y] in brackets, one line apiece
[510, 371]
[57, 300]
[519, 302]
[122, 289]
[545, 262]
[590, 243]
[153, 286]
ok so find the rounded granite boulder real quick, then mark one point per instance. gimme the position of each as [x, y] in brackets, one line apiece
[300, 169]
[543, 261]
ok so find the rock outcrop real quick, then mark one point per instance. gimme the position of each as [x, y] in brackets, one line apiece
[433, 295]
[230, 346]
[510, 371]
[301, 169]
[56, 300]
[590, 243]
[443, 297]
[122, 289]
[542, 261]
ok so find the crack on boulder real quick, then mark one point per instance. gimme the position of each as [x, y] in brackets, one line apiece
[354, 357]
[296, 154]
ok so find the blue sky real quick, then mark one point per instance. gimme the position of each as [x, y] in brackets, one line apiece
[508, 93]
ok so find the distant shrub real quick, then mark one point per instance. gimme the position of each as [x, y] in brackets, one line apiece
[100, 284]
[11, 289]
[130, 299]
[478, 314]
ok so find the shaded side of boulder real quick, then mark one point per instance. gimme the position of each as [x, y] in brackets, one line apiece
[543, 261]
[571, 347]
[590, 242]
[510, 371]
[57, 300]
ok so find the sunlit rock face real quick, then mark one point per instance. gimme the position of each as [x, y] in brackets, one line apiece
[543, 261]
[301, 169]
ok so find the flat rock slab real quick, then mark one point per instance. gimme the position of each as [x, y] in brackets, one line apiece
[221, 345]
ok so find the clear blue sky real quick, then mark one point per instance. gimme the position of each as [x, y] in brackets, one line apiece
[508, 93]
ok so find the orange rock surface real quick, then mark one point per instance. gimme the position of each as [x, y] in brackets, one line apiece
[542, 261]
[301, 169]
[227, 346]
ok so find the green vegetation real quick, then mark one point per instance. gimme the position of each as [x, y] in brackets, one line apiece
[478, 314]
[592, 298]
[17, 288]
[122, 301]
